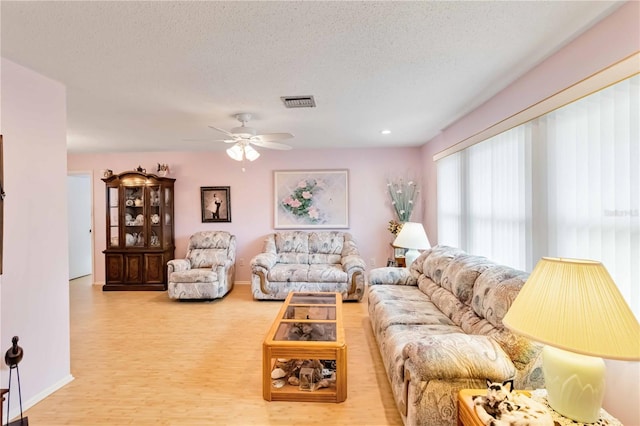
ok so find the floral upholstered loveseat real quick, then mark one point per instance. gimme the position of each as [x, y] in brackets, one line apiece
[438, 326]
[308, 261]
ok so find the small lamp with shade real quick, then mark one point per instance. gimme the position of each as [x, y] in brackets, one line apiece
[412, 237]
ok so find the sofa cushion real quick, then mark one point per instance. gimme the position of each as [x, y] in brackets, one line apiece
[292, 247]
[325, 247]
[391, 275]
[461, 274]
[289, 272]
[495, 289]
[436, 261]
[210, 240]
[324, 273]
[458, 355]
[208, 248]
[324, 259]
[206, 258]
[194, 276]
[403, 305]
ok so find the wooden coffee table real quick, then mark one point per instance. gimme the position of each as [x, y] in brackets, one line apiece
[307, 330]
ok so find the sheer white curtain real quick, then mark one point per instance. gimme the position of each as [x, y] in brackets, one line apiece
[593, 183]
[566, 184]
[497, 194]
[483, 198]
[451, 173]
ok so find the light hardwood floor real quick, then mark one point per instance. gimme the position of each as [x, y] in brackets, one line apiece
[140, 358]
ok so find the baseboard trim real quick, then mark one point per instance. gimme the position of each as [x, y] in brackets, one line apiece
[42, 395]
[101, 283]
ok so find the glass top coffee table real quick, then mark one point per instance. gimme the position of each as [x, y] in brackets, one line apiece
[304, 355]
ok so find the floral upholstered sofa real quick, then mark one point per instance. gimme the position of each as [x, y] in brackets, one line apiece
[438, 326]
[308, 261]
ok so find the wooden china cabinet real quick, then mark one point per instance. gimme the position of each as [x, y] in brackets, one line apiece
[140, 231]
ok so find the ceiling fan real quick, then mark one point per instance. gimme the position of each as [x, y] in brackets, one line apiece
[243, 137]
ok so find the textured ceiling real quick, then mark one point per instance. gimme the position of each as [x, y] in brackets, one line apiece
[144, 76]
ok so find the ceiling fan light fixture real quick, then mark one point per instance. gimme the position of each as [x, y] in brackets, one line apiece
[235, 152]
[250, 153]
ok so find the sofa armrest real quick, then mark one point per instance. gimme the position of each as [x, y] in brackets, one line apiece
[392, 276]
[177, 265]
[228, 263]
[353, 263]
[260, 266]
[263, 260]
[458, 356]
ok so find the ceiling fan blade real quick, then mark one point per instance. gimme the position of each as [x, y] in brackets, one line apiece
[270, 145]
[268, 137]
[222, 131]
[209, 140]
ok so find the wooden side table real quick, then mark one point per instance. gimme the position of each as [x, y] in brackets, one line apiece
[467, 413]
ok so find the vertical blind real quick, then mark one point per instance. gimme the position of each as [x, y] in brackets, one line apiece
[566, 184]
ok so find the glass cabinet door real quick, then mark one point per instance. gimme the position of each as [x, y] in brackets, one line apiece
[114, 218]
[134, 216]
[154, 216]
[168, 216]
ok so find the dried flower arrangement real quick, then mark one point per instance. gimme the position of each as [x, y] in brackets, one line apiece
[403, 196]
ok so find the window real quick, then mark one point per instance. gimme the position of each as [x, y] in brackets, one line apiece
[566, 184]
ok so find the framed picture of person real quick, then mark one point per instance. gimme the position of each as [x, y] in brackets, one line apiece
[215, 203]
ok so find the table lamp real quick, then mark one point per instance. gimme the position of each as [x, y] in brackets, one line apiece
[574, 307]
[413, 238]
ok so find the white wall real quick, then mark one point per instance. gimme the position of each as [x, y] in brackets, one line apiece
[34, 294]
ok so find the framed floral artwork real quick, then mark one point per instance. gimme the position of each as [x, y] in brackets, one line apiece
[311, 199]
[215, 203]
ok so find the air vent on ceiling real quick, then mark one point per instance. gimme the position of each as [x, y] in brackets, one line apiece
[298, 101]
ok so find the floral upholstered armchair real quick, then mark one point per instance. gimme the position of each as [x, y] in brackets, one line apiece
[208, 271]
[308, 262]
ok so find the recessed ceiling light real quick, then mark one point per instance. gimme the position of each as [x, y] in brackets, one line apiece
[385, 132]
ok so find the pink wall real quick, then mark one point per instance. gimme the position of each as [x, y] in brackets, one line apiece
[35, 280]
[252, 194]
[613, 39]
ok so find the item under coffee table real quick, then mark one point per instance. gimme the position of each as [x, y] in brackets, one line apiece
[304, 355]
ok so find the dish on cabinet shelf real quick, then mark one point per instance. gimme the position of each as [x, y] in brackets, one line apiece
[130, 239]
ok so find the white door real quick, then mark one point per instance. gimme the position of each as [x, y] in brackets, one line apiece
[79, 212]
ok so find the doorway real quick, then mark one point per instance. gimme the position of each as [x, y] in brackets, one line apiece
[80, 224]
